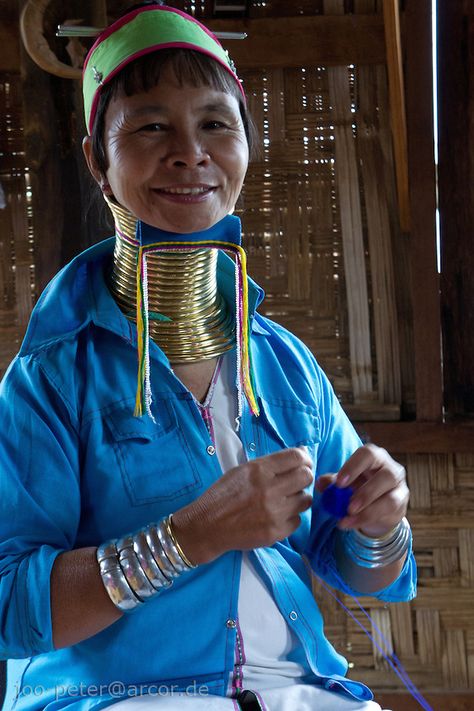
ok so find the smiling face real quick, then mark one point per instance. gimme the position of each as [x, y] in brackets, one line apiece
[177, 154]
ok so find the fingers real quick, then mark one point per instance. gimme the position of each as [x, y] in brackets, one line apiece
[294, 481]
[368, 458]
[286, 472]
[323, 481]
[381, 515]
[387, 480]
[381, 494]
[364, 463]
[286, 459]
[297, 503]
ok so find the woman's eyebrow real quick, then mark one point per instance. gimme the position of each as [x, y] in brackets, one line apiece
[145, 110]
[221, 108]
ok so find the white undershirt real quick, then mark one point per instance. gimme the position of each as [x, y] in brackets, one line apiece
[267, 638]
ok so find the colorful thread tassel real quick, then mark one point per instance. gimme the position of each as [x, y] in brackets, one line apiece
[245, 377]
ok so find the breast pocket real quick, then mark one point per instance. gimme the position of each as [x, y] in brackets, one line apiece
[289, 423]
[153, 457]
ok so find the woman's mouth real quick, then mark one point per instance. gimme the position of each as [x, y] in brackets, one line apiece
[186, 193]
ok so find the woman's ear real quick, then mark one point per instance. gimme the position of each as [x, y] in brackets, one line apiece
[93, 167]
[90, 160]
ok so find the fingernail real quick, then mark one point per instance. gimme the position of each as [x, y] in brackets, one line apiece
[344, 480]
[345, 522]
[349, 521]
[355, 507]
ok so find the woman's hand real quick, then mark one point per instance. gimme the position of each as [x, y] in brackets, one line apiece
[381, 494]
[252, 505]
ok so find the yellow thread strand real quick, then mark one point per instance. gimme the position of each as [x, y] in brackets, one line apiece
[138, 398]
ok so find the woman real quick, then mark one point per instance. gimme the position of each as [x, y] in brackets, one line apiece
[110, 600]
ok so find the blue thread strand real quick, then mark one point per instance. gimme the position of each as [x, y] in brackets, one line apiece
[397, 667]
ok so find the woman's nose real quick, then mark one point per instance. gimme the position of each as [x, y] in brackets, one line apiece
[186, 151]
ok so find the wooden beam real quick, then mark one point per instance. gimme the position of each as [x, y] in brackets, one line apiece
[456, 197]
[9, 42]
[396, 86]
[418, 437]
[425, 279]
[305, 41]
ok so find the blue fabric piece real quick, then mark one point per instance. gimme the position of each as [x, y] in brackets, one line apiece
[335, 500]
[78, 469]
[226, 230]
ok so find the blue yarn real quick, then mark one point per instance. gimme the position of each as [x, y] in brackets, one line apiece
[335, 500]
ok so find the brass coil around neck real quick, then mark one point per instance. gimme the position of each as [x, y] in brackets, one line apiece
[182, 285]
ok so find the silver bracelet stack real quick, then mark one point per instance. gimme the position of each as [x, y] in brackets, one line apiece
[370, 552]
[139, 566]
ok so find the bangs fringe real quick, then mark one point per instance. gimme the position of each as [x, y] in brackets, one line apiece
[189, 67]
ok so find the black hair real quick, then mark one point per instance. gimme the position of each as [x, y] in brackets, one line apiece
[140, 5]
[141, 75]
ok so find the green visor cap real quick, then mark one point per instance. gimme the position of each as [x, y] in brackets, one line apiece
[140, 32]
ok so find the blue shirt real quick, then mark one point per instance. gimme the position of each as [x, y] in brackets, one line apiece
[78, 469]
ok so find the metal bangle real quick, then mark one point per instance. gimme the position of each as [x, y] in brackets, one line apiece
[170, 549]
[170, 531]
[149, 565]
[109, 564]
[159, 555]
[136, 578]
[117, 586]
[370, 552]
[138, 566]
[106, 550]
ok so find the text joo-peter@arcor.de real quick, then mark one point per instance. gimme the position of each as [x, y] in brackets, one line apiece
[115, 689]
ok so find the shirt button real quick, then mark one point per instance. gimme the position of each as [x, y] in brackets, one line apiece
[293, 615]
[211, 450]
[231, 624]
[252, 446]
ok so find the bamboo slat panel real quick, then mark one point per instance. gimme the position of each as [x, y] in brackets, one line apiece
[379, 230]
[16, 238]
[433, 635]
[352, 234]
[319, 230]
[352, 229]
[290, 217]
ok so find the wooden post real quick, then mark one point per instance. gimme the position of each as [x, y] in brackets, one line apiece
[397, 106]
[456, 197]
[425, 279]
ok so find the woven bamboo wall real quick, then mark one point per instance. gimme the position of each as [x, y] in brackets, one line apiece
[318, 226]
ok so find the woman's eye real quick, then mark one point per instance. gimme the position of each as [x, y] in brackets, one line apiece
[153, 127]
[214, 124]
